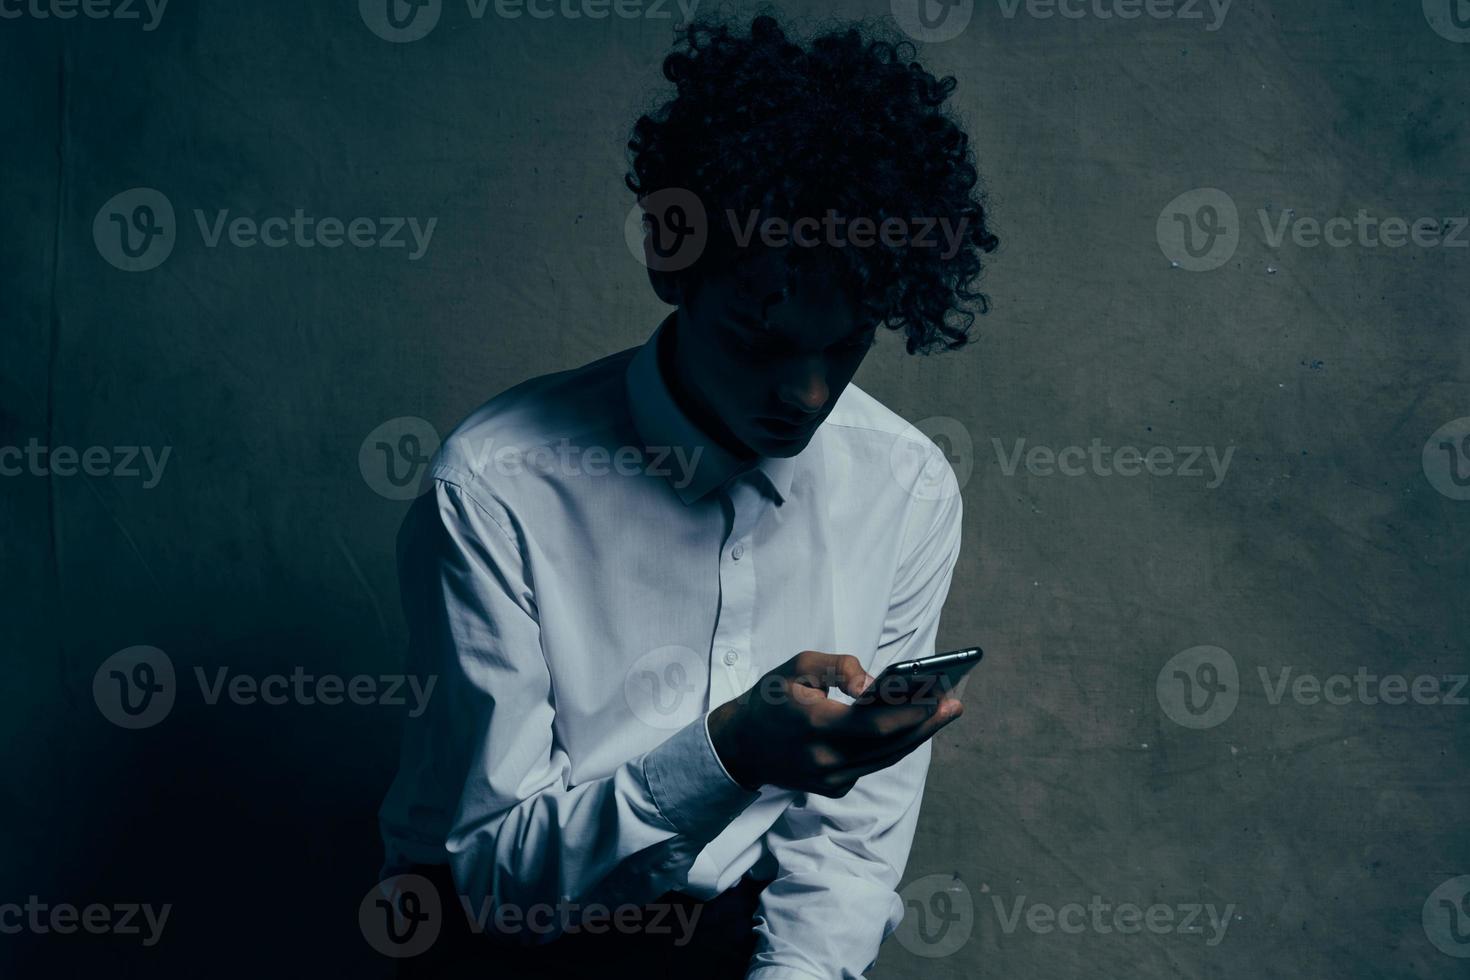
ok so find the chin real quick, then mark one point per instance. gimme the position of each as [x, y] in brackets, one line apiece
[771, 446]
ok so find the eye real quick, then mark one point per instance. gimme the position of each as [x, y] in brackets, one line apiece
[757, 350]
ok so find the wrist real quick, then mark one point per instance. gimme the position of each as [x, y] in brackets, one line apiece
[723, 725]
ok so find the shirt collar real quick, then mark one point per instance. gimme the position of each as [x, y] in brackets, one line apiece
[661, 423]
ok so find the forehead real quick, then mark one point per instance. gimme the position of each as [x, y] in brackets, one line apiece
[816, 307]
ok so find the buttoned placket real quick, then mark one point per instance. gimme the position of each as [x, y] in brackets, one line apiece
[731, 663]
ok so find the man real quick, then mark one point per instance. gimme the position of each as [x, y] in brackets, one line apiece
[651, 586]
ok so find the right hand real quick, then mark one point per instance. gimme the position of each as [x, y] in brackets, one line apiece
[785, 731]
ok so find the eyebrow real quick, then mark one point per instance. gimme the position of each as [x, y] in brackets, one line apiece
[748, 325]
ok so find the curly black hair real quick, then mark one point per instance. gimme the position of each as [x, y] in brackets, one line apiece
[849, 123]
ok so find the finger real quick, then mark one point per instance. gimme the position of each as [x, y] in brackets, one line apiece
[872, 721]
[883, 753]
[864, 723]
[813, 668]
[842, 722]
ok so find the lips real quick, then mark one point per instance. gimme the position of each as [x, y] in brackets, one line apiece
[790, 429]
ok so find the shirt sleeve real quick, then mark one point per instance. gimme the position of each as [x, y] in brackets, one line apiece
[839, 861]
[482, 762]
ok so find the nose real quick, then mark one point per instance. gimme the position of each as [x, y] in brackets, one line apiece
[805, 390]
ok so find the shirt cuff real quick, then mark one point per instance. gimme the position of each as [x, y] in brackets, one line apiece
[689, 784]
[781, 973]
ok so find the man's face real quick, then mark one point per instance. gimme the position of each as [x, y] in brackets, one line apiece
[768, 381]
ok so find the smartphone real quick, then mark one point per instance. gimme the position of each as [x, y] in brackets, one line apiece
[921, 681]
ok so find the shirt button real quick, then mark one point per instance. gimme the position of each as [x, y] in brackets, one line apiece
[730, 657]
[737, 551]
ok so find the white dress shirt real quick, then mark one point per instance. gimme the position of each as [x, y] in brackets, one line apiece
[590, 575]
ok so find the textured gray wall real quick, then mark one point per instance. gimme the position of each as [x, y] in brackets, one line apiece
[1323, 370]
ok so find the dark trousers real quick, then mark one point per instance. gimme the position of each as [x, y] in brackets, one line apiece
[676, 936]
